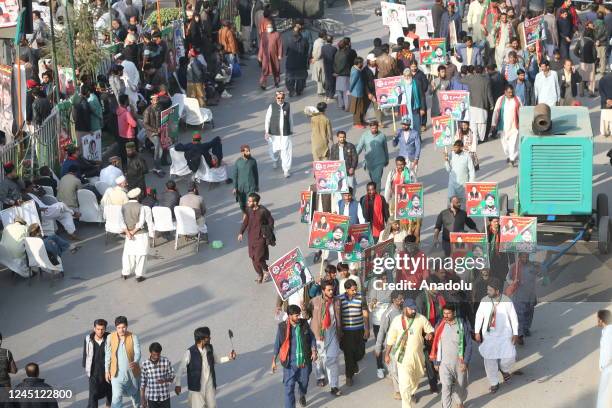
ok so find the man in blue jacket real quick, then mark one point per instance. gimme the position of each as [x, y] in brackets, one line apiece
[409, 143]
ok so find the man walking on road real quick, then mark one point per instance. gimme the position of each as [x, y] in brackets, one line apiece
[405, 342]
[93, 363]
[7, 366]
[344, 150]
[496, 328]
[374, 143]
[157, 373]
[259, 222]
[394, 310]
[355, 328]
[453, 219]
[296, 348]
[451, 352]
[278, 131]
[121, 362]
[327, 329]
[199, 361]
[604, 321]
[246, 177]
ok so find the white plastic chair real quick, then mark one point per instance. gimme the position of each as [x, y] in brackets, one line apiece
[179, 166]
[179, 99]
[149, 221]
[89, 207]
[186, 225]
[101, 186]
[17, 265]
[38, 257]
[216, 175]
[162, 220]
[48, 190]
[114, 221]
[196, 116]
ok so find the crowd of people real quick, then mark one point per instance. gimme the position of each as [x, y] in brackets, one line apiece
[414, 333]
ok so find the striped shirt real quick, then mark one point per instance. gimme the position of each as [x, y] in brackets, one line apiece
[352, 311]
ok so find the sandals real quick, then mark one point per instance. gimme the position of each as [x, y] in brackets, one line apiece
[506, 376]
[266, 277]
[494, 389]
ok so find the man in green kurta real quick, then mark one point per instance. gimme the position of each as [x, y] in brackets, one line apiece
[246, 177]
[374, 143]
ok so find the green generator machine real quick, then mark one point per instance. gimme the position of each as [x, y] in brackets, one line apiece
[555, 181]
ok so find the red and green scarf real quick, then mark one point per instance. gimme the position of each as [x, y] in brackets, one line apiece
[434, 355]
[400, 345]
[299, 346]
[434, 305]
[325, 316]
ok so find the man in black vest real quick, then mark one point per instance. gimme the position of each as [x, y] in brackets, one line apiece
[199, 361]
[278, 131]
[93, 363]
[296, 347]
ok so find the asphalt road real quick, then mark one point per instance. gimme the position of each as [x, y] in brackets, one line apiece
[46, 321]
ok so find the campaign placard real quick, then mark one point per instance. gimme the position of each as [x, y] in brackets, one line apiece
[531, 30]
[305, 206]
[393, 13]
[330, 176]
[10, 13]
[359, 238]
[328, 231]
[91, 145]
[455, 104]
[408, 201]
[290, 273]
[443, 131]
[418, 17]
[168, 128]
[6, 102]
[470, 245]
[481, 199]
[518, 234]
[432, 51]
[372, 267]
[388, 91]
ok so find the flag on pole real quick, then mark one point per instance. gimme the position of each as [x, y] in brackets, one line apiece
[19, 28]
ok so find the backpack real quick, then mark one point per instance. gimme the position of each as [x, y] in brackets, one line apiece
[80, 115]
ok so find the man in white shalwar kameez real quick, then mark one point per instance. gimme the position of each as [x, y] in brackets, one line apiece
[506, 122]
[136, 246]
[278, 131]
[604, 395]
[498, 322]
[460, 168]
[199, 364]
[318, 73]
[131, 78]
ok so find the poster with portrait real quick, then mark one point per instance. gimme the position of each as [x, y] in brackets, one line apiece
[375, 261]
[481, 199]
[432, 50]
[472, 245]
[443, 130]
[6, 105]
[290, 273]
[359, 238]
[91, 145]
[388, 91]
[66, 81]
[328, 231]
[518, 234]
[305, 206]
[393, 13]
[418, 17]
[179, 40]
[409, 201]
[9, 12]
[168, 128]
[330, 176]
[455, 104]
[531, 30]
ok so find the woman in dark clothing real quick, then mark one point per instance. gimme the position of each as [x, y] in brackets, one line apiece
[498, 261]
[296, 64]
